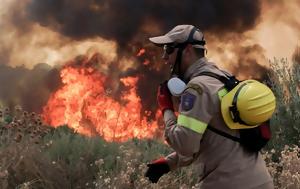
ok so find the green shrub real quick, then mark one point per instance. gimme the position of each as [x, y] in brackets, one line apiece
[285, 82]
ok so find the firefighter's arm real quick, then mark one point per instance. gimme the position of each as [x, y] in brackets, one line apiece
[176, 160]
[184, 133]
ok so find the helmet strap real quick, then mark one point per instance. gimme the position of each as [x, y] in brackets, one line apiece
[233, 109]
[176, 71]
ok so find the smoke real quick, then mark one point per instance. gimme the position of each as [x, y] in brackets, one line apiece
[28, 88]
[278, 30]
[235, 53]
[123, 20]
[56, 31]
[248, 63]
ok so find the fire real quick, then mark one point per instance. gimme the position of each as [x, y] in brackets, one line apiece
[85, 105]
[146, 62]
[141, 52]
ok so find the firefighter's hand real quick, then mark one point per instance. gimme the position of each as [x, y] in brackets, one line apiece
[156, 169]
[164, 98]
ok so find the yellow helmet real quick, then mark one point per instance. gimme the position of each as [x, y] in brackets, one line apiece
[248, 105]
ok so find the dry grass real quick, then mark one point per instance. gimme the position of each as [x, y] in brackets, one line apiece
[59, 158]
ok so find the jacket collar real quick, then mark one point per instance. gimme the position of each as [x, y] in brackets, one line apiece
[201, 65]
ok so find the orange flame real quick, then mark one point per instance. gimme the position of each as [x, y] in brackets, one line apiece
[141, 52]
[85, 105]
[146, 62]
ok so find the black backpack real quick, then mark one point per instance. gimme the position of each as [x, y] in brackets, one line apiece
[252, 139]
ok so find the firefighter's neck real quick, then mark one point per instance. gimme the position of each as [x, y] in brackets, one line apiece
[190, 55]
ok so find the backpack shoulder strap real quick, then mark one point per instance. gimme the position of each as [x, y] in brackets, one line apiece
[216, 76]
[229, 82]
[226, 135]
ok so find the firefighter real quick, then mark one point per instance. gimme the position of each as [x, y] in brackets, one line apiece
[225, 163]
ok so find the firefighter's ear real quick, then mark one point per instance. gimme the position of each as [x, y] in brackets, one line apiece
[189, 54]
[188, 49]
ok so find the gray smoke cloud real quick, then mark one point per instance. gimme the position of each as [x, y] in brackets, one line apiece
[28, 88]
[130, 23]
[123, 20]
[248, 65]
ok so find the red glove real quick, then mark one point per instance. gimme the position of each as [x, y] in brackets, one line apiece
[156, 169]
[164, 98]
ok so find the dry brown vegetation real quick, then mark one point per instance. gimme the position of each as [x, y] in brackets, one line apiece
[59, 158]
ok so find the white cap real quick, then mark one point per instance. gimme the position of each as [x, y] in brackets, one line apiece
[181, 34]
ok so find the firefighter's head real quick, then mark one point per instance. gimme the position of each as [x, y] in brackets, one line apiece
[182, 46]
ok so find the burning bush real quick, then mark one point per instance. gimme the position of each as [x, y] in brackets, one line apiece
[85, 104]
